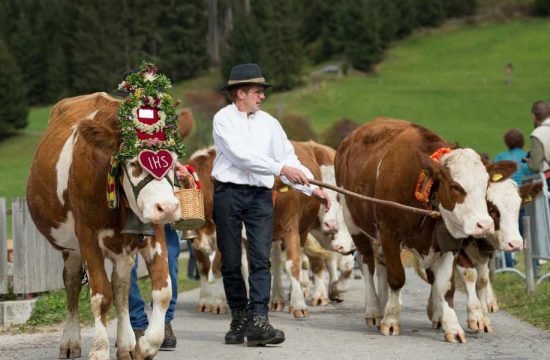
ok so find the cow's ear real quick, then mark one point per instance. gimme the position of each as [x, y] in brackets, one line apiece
[530, 191]
[185, 123]
[100, 137]
[501, 170]
[432, 167]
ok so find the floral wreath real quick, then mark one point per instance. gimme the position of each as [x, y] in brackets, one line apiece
[146, 90]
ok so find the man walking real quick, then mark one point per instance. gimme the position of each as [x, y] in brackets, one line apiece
[252, 148]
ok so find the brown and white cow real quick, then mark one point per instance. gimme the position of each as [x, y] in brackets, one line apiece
[384, 159]
[66, 198]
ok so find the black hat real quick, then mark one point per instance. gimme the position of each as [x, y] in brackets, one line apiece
[246, 74]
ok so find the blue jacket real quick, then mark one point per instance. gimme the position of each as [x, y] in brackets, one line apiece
[516, 155]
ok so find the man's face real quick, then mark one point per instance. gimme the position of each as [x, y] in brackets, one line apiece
[253, 98]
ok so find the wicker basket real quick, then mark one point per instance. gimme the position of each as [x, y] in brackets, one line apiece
[192, 209]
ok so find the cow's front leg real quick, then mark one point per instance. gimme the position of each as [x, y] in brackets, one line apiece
[390, 324]
[72, 279]
[277, 292]
[219, 301]
[468, 276]
[485, 294]
[203, 266]
[101, 296]
[443, 271]
[340, 286]
[155, 255]
[293, 267]
[320, 291]
[123, 263]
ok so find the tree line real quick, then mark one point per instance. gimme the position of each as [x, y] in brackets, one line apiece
[50, 49]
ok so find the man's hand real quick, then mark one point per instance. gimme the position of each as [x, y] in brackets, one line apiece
[183, 175]
[323, 198]
[294, 175]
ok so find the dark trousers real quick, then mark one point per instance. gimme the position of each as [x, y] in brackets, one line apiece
[235, 205]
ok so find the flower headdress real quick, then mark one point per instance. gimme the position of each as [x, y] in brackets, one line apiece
[147, 118]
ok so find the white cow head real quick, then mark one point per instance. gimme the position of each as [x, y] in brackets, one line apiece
[150, 199]
[462, 187]
[504, 202]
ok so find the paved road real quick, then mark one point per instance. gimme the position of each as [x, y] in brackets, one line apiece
[335, 331]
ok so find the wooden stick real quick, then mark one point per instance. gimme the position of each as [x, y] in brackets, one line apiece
[394, 204]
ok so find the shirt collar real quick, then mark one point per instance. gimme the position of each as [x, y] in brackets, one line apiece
[241, 113]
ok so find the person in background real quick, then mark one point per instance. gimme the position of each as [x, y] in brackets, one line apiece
[514, 141]
[539, 154]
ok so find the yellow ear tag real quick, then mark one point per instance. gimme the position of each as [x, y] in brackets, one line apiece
[496, 177]
[283, 189]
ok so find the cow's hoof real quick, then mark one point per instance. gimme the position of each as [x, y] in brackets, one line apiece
[70, 351]
[277, 306]
[219, 309]
[476, 325]
[125, 355]
[300, 313]
[455, 336]
[389, 329]
[488, 328]
[99, 355]
[436, 324]
[204, 308]
[373, 322]
[336, 296]
[319, 301]
[493, 307]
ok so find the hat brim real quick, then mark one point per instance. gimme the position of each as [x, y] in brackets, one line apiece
[264, 84]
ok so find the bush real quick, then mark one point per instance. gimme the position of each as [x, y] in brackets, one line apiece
[334, 135]
[13, 95]
[542, 7]
[430, 13]
[459, 8]
[297, 128]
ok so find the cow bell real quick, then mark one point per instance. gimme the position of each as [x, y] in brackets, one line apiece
[189, 234]
[134, 226]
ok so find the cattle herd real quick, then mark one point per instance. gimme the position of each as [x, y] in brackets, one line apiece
[385, 158]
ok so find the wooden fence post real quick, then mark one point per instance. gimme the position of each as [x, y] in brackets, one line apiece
[3, 248]
[528, 255]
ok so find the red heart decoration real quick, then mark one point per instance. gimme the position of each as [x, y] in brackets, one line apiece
[156, 163]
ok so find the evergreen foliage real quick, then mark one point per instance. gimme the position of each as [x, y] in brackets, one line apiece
[458, 8]
[360, 34]
[13, 96]
[183, 48]
[542, 7]
[388, 20]
[406, 15]
[283, 46]
[245, 44]
[320, 30]
[430, 13]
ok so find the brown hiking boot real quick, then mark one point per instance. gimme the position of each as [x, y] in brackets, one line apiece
[170, 341]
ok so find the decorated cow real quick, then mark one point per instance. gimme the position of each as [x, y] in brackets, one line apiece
[130, 147]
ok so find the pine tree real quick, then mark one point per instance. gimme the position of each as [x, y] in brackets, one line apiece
[244, 44]
[13, 96]
[430, 12]
[406, 15]
[283, 65]
[360, 33]
[320, 30]
[388, 24]
[459, 8]
[542, 7]
[183, 28]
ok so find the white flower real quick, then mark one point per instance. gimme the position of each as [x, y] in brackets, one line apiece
[149, 76]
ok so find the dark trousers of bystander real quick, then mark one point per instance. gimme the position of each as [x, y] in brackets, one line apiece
[235, 205]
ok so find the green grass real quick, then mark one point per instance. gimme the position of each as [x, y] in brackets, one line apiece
[451, 82]
[50, 309]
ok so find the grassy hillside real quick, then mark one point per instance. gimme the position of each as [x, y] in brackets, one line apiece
[451, 81]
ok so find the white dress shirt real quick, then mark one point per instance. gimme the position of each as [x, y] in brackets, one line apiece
[251, 150]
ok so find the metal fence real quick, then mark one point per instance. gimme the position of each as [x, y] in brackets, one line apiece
[536, 235]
